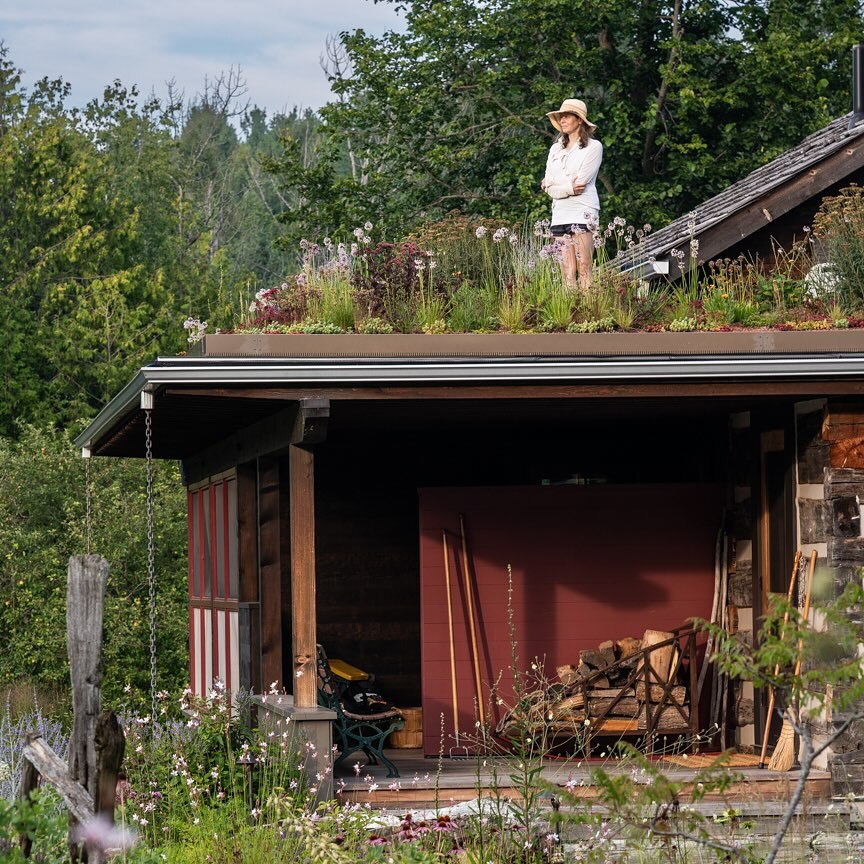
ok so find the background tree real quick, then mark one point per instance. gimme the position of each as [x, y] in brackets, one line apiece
[42, 523]
[689, 95]
[117, 222]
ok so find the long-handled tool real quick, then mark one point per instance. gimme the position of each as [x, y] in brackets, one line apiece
[783, 756]
[771, 696]
[719, 680]
[715, 613]
[724, 622]
[455, 693]
[469, 595]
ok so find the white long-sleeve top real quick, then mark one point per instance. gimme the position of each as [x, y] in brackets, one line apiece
[562, 168]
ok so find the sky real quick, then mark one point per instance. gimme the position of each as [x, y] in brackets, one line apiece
[277, 45]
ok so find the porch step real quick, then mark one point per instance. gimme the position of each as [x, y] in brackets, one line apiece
[423, 786]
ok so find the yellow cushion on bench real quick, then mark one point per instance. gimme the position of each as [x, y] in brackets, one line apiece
[346, 671]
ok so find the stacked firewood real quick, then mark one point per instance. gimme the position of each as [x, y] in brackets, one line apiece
[606, 692]
[607, 683]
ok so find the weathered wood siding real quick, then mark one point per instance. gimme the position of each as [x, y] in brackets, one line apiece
[368, 577]
[367, 481]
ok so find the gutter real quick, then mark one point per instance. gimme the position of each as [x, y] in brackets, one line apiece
[485, 371]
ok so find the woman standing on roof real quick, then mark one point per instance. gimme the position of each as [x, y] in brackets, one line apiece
[571, 174]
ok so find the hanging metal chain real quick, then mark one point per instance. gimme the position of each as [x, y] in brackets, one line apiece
[88, 503]
[151, 561]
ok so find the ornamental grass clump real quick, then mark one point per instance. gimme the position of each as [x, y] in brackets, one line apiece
[839, 227]
[782, 285]
[453, 241]
[326, 276]
[729, 292]
[557, 308]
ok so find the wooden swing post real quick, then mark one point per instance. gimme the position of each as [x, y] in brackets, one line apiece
[96, 748]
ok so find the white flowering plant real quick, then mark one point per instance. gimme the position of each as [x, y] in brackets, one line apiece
[202, 757]
[462, 274]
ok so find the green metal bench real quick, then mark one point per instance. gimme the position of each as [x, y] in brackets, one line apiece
[353, 732]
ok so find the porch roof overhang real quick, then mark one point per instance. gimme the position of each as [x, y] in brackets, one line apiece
[200, 399]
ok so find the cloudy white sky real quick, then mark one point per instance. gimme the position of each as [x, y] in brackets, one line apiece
[277, 44]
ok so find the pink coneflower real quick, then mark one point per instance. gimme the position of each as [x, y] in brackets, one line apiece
[101, 834]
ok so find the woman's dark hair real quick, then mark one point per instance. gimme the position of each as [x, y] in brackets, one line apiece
[583, 132]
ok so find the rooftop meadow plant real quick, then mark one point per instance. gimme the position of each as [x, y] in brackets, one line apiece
[462, 274]
[839, 227]
[455, 275]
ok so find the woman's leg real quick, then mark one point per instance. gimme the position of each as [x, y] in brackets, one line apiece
[569, 263]
[583, 246]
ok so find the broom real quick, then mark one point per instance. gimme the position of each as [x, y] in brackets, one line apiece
[769, 714]
[783, 756]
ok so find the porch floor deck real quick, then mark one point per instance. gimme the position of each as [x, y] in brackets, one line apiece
[459, 780]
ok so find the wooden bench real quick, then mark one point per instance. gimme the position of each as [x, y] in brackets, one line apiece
[353, 732]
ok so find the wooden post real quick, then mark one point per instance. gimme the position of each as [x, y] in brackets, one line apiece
[48, 765]
[249, 618]
[29, 782]
[110, 746]
[85, 597]
[304, 632]
[270, 572]
[694, 694]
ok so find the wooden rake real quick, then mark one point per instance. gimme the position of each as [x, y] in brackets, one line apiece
[454, 754]
[475, 653]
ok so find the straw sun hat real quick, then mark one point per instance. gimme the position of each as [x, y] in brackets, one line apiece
[571, 106]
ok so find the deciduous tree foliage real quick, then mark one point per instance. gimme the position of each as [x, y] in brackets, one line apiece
[688, 95]
[116, 223]
[42, 523]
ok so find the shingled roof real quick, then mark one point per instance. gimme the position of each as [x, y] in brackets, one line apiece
[820, 160]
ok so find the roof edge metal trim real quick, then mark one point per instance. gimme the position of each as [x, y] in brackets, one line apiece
[130, 395]
[218, 371]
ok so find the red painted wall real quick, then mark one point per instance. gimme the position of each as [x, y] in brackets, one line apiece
[589, 563]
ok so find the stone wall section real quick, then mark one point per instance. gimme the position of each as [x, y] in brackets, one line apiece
[830, 494]
[811, 463]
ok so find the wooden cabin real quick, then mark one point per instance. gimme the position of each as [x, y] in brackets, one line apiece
[324, 471]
